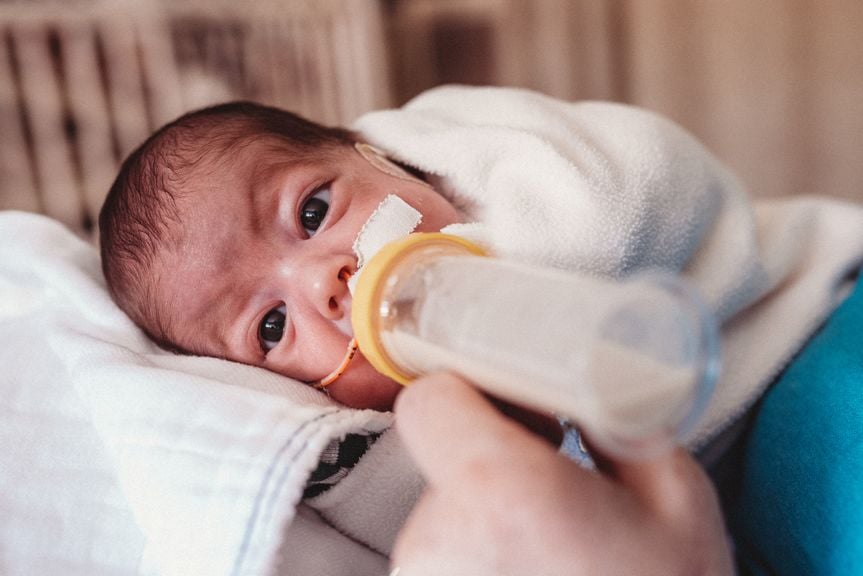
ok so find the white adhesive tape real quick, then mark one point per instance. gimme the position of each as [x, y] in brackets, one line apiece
[392, 219]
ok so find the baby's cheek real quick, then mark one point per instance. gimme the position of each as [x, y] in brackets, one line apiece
[361, 386]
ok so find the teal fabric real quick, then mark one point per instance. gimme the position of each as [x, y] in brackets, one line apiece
[799, 506]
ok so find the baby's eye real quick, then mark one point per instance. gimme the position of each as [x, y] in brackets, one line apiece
[272, 328]
[314, 210]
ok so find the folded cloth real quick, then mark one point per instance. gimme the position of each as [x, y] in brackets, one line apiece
[117, 457]
[612, 190]
[368, 506]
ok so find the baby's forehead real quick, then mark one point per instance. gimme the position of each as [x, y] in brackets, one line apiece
[231, 172]
[256, 158]
[221, 183]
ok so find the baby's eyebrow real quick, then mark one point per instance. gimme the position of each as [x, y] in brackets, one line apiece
[264, 195]
[209, 319]
[230, 329]
[265, 185]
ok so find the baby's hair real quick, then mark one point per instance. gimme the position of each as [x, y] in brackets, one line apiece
[140, 216]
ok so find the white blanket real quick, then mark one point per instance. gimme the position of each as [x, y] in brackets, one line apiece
[119, 458]
[610, 190]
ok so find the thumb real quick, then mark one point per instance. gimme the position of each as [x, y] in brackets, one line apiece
[451, 429]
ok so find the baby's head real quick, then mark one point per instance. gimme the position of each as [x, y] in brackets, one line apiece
[229, 233]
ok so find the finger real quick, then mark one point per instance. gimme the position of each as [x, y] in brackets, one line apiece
[675, 489]
[666, 483]
[452, 430]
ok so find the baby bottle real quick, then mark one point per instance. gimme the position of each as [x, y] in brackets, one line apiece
[632, 362]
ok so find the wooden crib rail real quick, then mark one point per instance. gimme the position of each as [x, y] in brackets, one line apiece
[82, 83]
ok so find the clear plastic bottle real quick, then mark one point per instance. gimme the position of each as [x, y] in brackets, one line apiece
[633, 363]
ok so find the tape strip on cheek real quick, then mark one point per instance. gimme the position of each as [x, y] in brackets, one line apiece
[393, 219]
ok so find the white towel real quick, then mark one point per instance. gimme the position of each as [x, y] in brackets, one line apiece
[610, 190]
[119, 458]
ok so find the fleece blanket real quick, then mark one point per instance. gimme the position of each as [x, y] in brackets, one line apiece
[119, 458]
[612, 190]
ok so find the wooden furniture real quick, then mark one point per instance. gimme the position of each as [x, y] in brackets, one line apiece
[83, 83]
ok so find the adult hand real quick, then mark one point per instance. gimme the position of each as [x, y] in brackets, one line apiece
[501, 501]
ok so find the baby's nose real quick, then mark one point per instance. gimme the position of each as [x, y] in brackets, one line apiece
[332, 294]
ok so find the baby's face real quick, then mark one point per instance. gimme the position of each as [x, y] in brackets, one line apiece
[260, 273]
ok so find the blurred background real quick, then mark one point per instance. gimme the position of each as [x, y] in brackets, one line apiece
[773, 87]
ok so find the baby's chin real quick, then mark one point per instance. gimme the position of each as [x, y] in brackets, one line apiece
[361, 386]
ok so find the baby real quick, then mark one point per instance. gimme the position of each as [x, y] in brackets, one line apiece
[229, 233]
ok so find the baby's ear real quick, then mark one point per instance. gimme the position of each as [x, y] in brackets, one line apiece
[379, 160]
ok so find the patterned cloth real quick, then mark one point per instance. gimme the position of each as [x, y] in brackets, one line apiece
[337, 461]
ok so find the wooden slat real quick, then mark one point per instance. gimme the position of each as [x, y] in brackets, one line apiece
[258, 62]
[370, 79]
[17, 183]
[344, 66]
[159, 68]
[290, 89]
[125, 87]
[288, 84]
[308, 81]
[89, 108]
[330, 90]
[56, 178]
